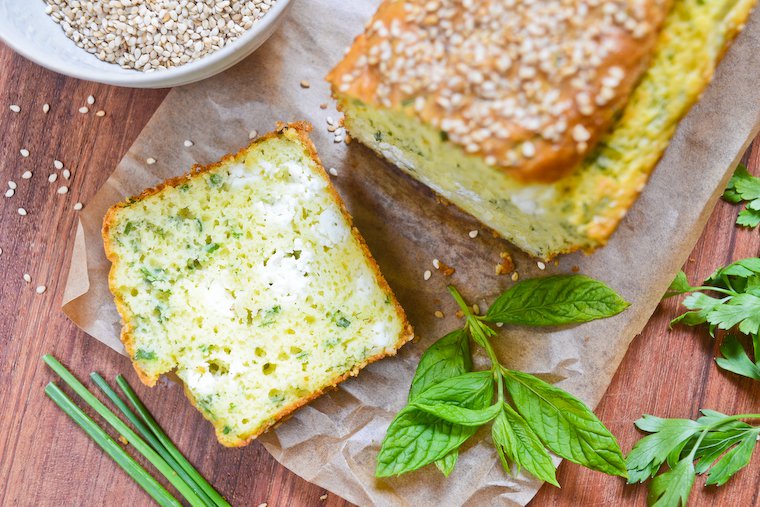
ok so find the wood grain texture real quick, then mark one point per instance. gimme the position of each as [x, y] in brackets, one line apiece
[46, 461]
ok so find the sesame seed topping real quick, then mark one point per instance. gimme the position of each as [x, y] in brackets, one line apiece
[338, 139]
[436, 264]
[27, 278]
[58, 164]
[66, 174]
[40, 289]
[541, 265]
[15, 108]
[305, 84]
[63, 190]
[439, 314]
[9, 192]
[253, 134]
[22, 212]
[515, 276]
[150, 160]
[45, 108]
[84, 109]
[90, 100]
[427, 274]
[188, 143]
[78, 206]
[52, 178]
[473, 234]
[27, 175]
[323, 105]
[100, 113]
[333, 171]
[323, 497]
[24, 152]
[12, 185]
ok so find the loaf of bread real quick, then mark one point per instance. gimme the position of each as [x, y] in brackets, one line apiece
[542, 119]
[248, 280]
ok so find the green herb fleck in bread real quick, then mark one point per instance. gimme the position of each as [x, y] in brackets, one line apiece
[248, 280]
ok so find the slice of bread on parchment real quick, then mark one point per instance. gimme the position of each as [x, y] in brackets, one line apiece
[248, 280]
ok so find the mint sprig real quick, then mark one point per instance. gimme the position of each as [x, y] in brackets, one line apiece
[743, 187]
[716, 444]
[734, 303]
[448, 401]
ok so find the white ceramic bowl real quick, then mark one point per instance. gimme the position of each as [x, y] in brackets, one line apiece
[26, 28]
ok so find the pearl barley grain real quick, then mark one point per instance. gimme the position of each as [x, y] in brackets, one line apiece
[154, 35]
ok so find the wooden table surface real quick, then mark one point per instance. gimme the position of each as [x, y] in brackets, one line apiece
[46, 461]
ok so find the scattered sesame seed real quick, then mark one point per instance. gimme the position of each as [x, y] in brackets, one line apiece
[58, 164]
[436, 264]
[439, 314]
[338, 139]
[150, 160]
[27, 175]
[15, 108]
[40, 289]
[27, 278]
[515, 276]
[66, 173]
[323, 497]
[253, 134]
[1, 251]
[63, 190]
[12, 185]
[45, 108]
[263, 504]
[499, 324]
[188, 143]
[330, 120]
[473, 234]
[427, 274]
[305, 84]
[84, 109]
[22, 212]
[100, 113]
[323, 105]
[9, 192]
[90, 100]
[541, 265]
[476, 309]
[52, 178]
[78, 206]
[333, 171]
[24, 152]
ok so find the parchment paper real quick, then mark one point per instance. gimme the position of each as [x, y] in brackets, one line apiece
[334, 440]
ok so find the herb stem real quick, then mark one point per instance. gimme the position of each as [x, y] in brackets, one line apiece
[728, 292]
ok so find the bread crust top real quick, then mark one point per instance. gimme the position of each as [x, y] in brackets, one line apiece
[529, 86]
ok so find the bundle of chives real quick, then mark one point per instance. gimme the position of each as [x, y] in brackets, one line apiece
[158, 449]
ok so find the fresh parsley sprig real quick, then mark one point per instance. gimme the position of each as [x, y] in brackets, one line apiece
[721, 445]
[743, 187]
[736, 304]
[448, 401]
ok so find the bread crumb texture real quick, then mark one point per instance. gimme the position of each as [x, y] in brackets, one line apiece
[247, 279]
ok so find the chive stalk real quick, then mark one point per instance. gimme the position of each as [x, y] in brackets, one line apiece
[114, 450]
[125, 431]
[168, 444]
[148, 435]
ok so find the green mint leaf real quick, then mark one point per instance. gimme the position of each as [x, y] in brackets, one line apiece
[742, 309]
[555, 300]
[748, 217]
[731, 194]
[672, 488]
[446, 358]
[680, 285]
[565, 424]
[736, 360]
[447, 463]
[415, 439]
[517, 443]
[460, 415]
[649, 453]
[733, 461]
[472, 390]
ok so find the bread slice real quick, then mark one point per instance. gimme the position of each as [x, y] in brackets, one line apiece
[426, 108]
[248, 280]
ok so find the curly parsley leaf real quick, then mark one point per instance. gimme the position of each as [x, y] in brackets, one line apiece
[556, 300]
[565, 424]
[743, 187]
